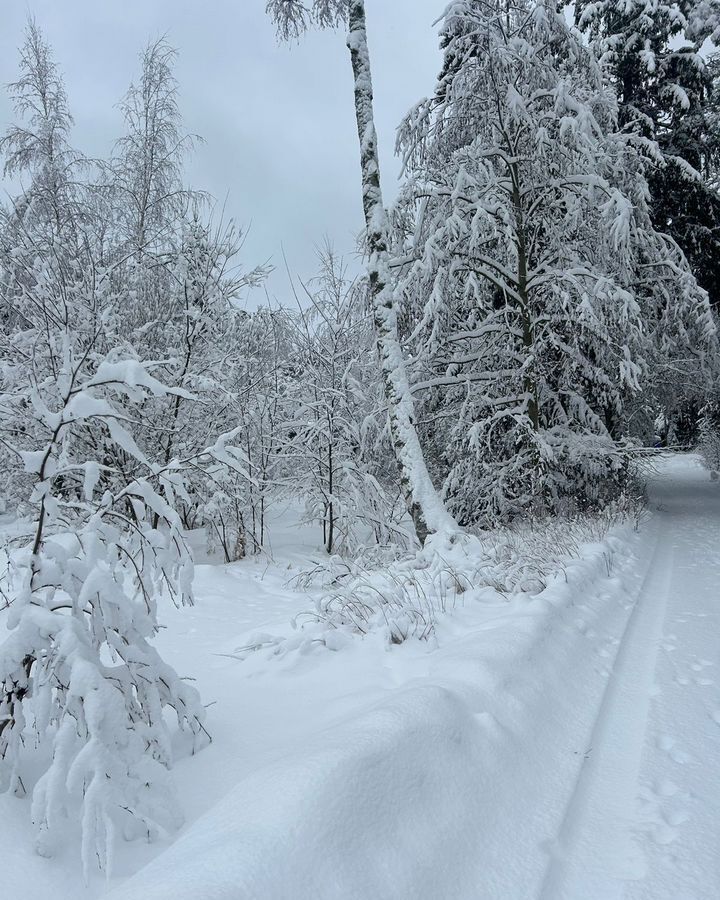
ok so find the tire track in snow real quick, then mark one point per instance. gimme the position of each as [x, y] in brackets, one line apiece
[594, 853]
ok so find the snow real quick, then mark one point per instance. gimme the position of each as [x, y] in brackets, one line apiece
[555, 746]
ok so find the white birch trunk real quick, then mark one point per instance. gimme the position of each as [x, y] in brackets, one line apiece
[425, 506]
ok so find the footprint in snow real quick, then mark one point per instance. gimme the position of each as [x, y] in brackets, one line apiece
[701, 664]
[680, 756]
[666, 788]
[677, 816]
[663, 834]
[669, 745]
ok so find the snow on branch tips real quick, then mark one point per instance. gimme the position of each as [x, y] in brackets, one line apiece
[77, 668]
[293, 17]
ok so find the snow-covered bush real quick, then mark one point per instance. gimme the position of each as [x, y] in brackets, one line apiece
[400, 605]
[77, 669]
[529, 552]
[399, 598]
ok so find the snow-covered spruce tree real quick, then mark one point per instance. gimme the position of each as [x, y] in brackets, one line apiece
[535, 290]
[293, 17]
[666, 90]
[79, 678]
[708, 442]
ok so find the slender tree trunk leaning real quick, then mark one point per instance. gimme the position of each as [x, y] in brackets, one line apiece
[330, 509]
[425, 506]
[531, 387]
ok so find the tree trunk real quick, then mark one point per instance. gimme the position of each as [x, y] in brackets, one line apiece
[530, 380]
[424, 505]
[330, 536]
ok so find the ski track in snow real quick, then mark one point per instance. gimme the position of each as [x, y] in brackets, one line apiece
[594, 847]
[564, 747]
[643, 821]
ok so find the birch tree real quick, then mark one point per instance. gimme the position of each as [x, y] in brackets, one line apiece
[103, 445]
[146, 169]
[37, 146]
[292, 18]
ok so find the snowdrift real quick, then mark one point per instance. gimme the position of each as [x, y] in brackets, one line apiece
[452, 785]
[384, 807]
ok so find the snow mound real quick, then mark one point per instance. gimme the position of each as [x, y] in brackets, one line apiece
[385, 806]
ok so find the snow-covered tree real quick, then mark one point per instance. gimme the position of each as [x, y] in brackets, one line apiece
[37, 147]
[43, 220]
[146, 169]
[666, 90]
[333, 430]
[79, 676]
[113, 424]
[260, 386]
[292, 18]
[535, 290]
[198, 329]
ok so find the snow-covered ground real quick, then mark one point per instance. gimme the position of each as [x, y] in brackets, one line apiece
[563, 746]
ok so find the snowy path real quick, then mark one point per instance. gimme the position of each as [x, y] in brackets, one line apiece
[643, 821]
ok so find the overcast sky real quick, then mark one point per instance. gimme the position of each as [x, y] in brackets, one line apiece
[278, 120]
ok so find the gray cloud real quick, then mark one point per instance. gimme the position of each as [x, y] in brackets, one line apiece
[278, 121]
